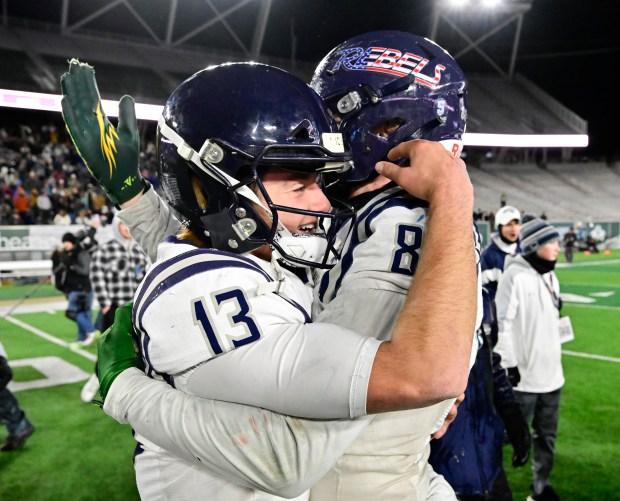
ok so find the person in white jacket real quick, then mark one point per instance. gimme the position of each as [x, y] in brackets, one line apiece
[528, 310]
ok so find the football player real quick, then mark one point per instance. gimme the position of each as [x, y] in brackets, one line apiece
[386, 87]
[387, 392]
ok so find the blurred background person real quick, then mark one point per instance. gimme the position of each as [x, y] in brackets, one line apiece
[71, 265]
[570, 239]
[470, 454]
[11, 415]
[116, 270]
[528, 312]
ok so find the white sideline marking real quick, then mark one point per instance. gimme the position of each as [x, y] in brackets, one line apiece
[576, 298]
[590, 263]
[47, 306]
[588, 355]
[595, 306]
[56, 371]
[50, 338]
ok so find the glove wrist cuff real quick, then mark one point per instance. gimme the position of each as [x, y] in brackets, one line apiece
[127, 192]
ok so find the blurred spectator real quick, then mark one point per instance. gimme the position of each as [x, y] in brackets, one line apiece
[71, 266]
[570, 239]
[21, 203]
[470, 454]
[44, 208]
[528, 311]
[40, 158]
[11, 415]
[83, 217]
[116, 270]
[62, 218]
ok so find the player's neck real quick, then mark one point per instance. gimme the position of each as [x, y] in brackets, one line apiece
[263, 252]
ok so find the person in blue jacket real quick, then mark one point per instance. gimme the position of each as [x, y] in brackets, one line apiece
[469, 455]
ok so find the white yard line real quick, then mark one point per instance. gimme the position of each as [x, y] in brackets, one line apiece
[590, 263]
[588, 355]
[52, 339]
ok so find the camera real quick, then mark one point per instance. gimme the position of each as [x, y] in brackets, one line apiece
[85, 239]
[82, 240]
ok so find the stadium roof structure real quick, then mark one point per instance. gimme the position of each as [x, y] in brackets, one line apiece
[147, 47]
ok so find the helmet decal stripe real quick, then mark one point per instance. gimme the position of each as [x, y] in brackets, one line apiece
[107, 135]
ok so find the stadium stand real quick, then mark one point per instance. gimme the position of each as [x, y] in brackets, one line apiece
[564, 192]
[145, 60]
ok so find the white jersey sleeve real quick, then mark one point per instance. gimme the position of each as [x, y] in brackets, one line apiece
[150, 221]
[249, 446]
[223, 326]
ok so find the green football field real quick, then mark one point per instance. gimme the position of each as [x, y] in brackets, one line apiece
[78, 453]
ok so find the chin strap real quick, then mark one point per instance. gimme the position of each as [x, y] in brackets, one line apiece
[310, 248]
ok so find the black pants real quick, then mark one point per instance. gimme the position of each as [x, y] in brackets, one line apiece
[10, 413]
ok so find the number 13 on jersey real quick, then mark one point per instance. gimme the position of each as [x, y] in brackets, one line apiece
[225, 320]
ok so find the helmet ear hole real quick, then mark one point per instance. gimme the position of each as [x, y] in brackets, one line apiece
[388, 127]
[302, 131]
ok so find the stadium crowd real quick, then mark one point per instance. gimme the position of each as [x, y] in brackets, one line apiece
[43, 179]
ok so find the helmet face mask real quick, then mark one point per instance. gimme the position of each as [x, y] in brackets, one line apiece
[392, 77]
[220, 128]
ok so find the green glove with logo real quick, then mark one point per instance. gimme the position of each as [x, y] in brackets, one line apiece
[116, 350]
[110, 154]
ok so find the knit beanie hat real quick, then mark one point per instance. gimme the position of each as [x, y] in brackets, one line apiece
[535, 233]
[69, 237]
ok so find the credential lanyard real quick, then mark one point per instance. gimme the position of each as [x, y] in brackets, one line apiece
[554, 296]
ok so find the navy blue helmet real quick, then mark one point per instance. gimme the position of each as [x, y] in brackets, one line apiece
[397, 82]
[219, 128]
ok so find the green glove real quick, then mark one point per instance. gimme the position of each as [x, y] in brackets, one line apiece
[116, 350]
[111, 155]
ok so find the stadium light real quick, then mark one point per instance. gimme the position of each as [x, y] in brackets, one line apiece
[51, 102]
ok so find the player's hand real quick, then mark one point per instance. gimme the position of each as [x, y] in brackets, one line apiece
[449, 418]
[116, 350]
[432, 173]
[518, 433]
[111, 155]
[514, 376]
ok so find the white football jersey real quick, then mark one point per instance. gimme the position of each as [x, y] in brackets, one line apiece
[213, 324]
[196, 304]
[365, 291]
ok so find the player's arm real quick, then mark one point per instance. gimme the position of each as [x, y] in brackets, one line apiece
[150, 220]
[429, 355]
[247, 445]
